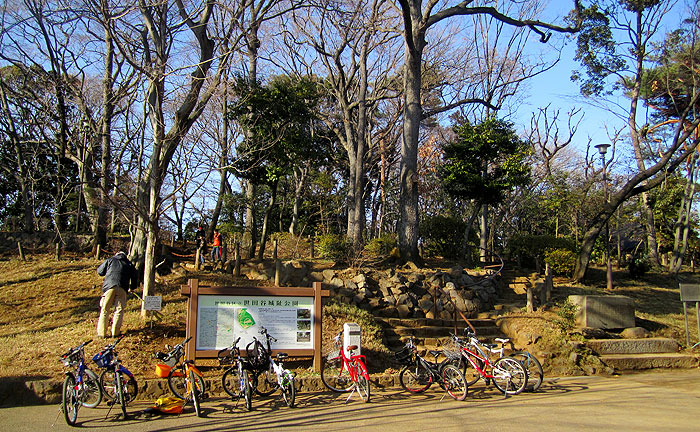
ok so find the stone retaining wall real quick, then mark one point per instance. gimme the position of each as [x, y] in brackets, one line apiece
[15, 392]
[394, 293]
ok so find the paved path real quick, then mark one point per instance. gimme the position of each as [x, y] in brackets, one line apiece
[668, 401]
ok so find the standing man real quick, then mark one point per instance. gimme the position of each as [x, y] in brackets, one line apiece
[120, 276]
[201, 243]
[216, 247]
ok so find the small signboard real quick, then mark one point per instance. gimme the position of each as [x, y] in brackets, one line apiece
[690, 292]
[152, 303]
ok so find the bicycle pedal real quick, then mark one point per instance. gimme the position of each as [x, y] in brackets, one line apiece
[204, 396]
[488, 381]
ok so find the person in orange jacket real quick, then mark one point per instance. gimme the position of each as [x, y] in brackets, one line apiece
[216, 247]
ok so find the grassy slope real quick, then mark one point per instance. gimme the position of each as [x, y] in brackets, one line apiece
[48, 306]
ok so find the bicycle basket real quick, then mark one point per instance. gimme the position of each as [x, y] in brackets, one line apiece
[162, 371]
[104, 358]
[258, 357]
[404, 356]
[71, 358]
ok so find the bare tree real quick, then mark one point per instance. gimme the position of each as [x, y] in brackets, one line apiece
[418, 19]
[354, 43]
[163, 25]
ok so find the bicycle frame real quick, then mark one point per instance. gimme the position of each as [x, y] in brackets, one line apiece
[348, 361]
[481, 356]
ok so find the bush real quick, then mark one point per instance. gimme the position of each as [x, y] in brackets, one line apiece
[530, 247]
[333, 246]
[567, 314]
[561, 261]
[442, 236]
[639, 265]
[381, 246]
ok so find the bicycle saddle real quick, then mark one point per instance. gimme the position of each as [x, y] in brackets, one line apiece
[282, 355]
[352, 347]
[435, 353]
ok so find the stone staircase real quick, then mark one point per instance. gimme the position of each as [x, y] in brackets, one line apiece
[638, 354]
[432, 333]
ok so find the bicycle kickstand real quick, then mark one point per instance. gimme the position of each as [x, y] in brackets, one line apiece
[351, 393]
[60, 410]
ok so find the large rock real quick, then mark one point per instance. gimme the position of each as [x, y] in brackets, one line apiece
[607, 312]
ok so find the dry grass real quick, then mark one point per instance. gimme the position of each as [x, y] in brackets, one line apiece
[48, 306]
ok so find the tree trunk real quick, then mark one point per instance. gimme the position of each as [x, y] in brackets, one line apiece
[299, 185]
[251, 230]
[483, 233]
[412, 113]
[266, 220]
[21, 173]
[682, 225]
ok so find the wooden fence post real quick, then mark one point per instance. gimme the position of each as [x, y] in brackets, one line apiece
[97, 252]
[58, 251]
[237, 267]
[21, 252]
[277, 264]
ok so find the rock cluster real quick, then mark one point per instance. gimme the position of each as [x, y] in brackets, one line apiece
[394, 293]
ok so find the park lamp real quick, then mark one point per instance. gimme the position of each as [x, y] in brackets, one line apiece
[602, 149]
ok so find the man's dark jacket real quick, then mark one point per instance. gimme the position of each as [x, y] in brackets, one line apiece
[118, 271]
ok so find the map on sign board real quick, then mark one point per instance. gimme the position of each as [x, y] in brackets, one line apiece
[221, 319]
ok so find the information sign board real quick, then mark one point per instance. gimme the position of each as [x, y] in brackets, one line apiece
[221, 319]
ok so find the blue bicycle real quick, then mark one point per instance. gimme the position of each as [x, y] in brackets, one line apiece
[81, 387]
[117, 382]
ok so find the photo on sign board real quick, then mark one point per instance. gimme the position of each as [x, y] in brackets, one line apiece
[303, 336]
[303, 313]
[303, 325]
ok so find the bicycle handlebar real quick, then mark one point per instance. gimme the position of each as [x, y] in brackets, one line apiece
[263, 331]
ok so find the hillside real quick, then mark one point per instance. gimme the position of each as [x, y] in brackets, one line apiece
[49, 306]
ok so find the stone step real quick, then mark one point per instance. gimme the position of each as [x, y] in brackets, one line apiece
[650, 361]
[434, 331]
[633, 346]
[423, 322]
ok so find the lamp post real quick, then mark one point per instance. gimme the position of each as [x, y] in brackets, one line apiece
[603, 149]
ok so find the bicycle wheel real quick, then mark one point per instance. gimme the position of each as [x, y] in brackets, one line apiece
[335, 375]
[535, 375]
[109, 386]
[120, 395]
[415, 379]
[177, 381]
[266, 382]
[196, 391]
[362, 383]
[247, 391]
[91, 395]
[509, 376]
[231, 382]
[288, 390]
[454, 382]
[69, 400]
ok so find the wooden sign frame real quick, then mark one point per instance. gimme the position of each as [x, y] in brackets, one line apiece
[193, 290]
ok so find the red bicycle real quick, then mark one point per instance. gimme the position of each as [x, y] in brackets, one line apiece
[508, 374]
[342, 373]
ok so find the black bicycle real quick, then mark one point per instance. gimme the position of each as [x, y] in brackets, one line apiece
[81, 386]
[269, 375]
[118, 383]
[418, 374]
[236, 379]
